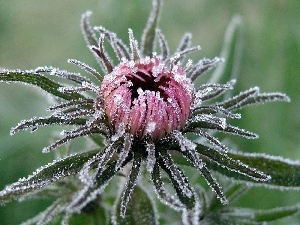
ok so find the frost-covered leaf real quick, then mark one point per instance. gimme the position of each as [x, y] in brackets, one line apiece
[179, 181]
[185, 42]
[36, 79]
[90, 194]
[148, 37]
[264, 98]
[130, 184]
[284, 173]
[162, 192]
[46, 175]
[193, 156]
[117, 44]
[165, 52]
[275, 214]
[88, 32]
[237, 216]
[254, 168]
[101, 55]
[227, 129]
[140, 210]
[224, 162]
[236, 101]
[231, 52]
[135, 52]
[203, 66]
[87, 68]
[37, 122]
[226, 165]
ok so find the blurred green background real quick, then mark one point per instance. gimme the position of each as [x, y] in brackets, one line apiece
[37, 33]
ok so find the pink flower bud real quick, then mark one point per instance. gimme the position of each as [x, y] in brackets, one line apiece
[147, 97]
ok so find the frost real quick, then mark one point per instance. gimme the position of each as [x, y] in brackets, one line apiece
[135, 55]
[120, 132]
[191, 216]
[88, 33]
[130, 184]
[203, 66]
[78, 132]
[188, 65]
[140, 91]
[87, 68]
[91, 86]
[184, 143]
[176, 175]
[211, 139]
[101, 55]
[46, 175]
[237, 100]
[105, 157]
[72, 89]
[117, 44]
[73, 103]
[185, 42]
[162, 193]
[151, 159]
[150, 127]
[84, 197]
[178, 55]
[84, 175]
[125, 150]
[264, 98]
[220, 122]
[224, 161]
[118, 99]
[76, 77]
[165, 52]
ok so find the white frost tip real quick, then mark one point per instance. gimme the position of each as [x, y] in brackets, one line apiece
[150, 127]
[88, 13]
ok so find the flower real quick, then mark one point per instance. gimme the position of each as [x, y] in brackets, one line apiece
[145, 108]
[147, 98]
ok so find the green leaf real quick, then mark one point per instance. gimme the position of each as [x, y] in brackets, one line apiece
[223, 162]
[231, 52]
[251, 167]
[36, 79]
[98, 139]
[96, 217]
[35, 123]
[284, 173]
[249, 216]
[46, 175]
[263, 98]
[140, 210]
[179, 181]
[149, 32]
[88, 32]
[275, 214]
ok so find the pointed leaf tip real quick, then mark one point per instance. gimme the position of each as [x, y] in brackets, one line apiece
[46, 175]
[149, 33]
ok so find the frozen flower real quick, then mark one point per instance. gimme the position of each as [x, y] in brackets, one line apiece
[145, 107]
[146, 97]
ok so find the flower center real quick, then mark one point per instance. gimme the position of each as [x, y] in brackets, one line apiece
[145, 81]
[146, 98]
